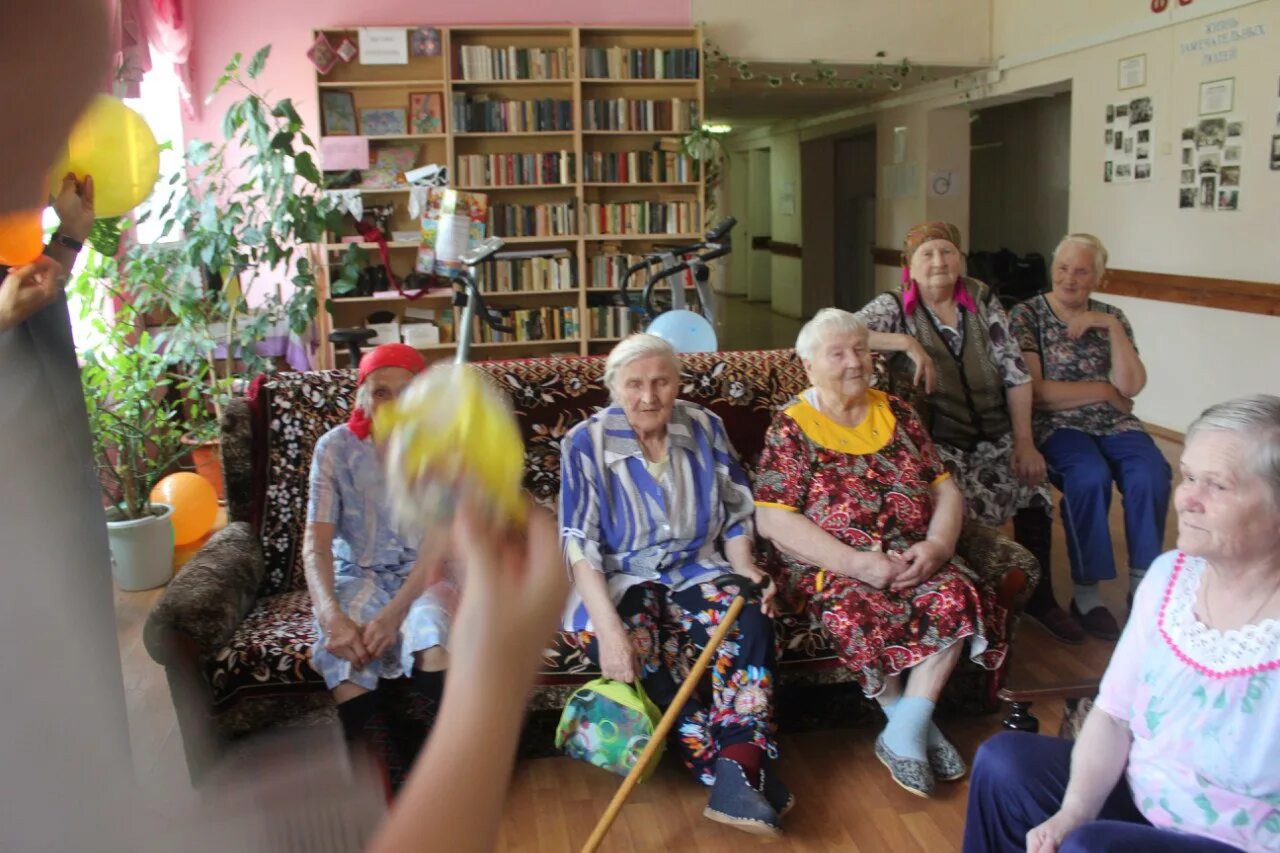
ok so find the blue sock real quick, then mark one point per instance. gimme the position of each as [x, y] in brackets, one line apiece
[907, 734]
[935, 736]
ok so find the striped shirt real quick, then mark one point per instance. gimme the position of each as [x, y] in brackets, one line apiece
[638, 528]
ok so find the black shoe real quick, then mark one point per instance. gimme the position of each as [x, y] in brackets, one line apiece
[778, 795]
[1060, 625]
[734, 802]
[1098, 622]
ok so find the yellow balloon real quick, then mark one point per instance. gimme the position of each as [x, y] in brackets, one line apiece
[113, 144]
[194, 502]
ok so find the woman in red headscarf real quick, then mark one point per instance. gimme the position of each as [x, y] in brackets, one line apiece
[367, 576]
[950, 337]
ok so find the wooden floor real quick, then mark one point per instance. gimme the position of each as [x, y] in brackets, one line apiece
[845, 799]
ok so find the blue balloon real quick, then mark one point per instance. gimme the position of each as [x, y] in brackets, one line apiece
[686, 331]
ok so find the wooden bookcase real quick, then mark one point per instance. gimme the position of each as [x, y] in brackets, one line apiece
[372, 86]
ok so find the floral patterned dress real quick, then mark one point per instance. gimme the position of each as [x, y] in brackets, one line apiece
[869, 487]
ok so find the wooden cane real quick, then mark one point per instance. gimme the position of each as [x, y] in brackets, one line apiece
[746, 590]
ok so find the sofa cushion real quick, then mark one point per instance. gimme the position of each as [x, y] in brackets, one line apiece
[549, 396]
[269, 652]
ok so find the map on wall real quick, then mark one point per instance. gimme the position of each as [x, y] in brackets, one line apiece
[1211, 158]
[1129, 141]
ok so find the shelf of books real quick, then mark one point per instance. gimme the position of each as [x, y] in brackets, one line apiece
[564, 141]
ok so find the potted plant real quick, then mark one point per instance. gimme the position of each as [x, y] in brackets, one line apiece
[231, 269]
[137, 417]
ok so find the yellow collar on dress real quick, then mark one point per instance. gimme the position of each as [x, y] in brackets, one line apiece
[871, 435]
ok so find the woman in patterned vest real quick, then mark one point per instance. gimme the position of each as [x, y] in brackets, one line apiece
[949, 334]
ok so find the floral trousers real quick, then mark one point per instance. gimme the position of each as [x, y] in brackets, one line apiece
[669, 629]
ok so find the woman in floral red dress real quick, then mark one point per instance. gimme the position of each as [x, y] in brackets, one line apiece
[853, 494]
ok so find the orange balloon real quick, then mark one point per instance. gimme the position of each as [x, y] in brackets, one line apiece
[194, 502]
[21, 237]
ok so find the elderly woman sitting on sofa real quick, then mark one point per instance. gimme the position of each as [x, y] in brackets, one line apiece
[1181, 750]
[649, 487]
[851, 490]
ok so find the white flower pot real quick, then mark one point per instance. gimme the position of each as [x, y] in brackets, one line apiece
[141, 549]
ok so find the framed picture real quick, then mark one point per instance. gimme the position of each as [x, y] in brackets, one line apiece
[383, 121]
[347, 49]
[322, 54]
[1133, 71]
[426, 112]
[1217, 96]
[337, 113]
[424, 41]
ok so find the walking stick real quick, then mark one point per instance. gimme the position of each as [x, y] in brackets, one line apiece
[747, 591]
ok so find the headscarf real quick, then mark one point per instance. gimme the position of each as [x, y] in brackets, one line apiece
[386, 355]
[916, 238]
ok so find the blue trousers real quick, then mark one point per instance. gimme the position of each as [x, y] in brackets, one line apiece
[1018, 782]
[1084, 467]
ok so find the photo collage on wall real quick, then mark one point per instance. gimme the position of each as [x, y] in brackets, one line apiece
[1130, 142]
[1211, 163]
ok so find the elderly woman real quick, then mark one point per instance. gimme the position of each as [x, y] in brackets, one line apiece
[1189, 708]
[853, 494]
[649, 487]
[1086, 372]
[956, 337]
[367, 578]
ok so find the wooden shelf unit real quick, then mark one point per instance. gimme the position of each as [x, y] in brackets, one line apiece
[390, 85]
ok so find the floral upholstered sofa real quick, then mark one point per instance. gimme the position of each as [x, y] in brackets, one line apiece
[234, 628]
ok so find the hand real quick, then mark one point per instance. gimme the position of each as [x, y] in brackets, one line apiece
[617, 655]
[1082, 323]
[768, 605]
[1120, 402]
[876, 569]
[1048, 836]
[74, 206]
[924, 366]
[514, 588]
[343, 637]
[922, 560]
[382, 632]
[27, 289]
[1028, 464]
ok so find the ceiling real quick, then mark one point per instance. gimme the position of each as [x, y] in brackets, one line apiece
[732, 100]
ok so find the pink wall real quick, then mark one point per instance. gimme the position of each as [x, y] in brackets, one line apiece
[223, 27]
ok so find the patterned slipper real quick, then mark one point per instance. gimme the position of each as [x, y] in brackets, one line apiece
[735, 803]
[911, 774]
[946, 763]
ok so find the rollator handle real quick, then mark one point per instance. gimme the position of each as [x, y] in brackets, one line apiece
[747, 588]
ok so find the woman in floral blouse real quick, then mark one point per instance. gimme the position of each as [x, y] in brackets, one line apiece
[855, 497]
[1086, 373]
[1181, 750]
[950, 334]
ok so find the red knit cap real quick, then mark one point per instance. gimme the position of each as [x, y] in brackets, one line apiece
[391, 355]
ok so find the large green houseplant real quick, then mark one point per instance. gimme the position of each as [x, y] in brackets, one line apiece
[235, 226]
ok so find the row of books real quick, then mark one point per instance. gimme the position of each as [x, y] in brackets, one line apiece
[642, 217]
[533, 220]
[635, 114]
[633, 63]
[526, 169]
[480, 114]
[549, 323]
[515, 272]
[604, 272]
[479, 62]
[644, 167]
[611, 321]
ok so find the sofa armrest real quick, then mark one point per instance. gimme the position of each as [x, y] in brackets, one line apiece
[209, 598]
[1005, 565]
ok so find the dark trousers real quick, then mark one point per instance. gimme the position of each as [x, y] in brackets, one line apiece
[1018, 782]
[1084, 467]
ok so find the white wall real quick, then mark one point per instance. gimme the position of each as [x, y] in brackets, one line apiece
[787, 281]
[759, 223]
[1140, 222]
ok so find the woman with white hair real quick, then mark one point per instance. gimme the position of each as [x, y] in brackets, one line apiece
[1181, 749]
[853, 493]
[648, 488]
[1086, 372]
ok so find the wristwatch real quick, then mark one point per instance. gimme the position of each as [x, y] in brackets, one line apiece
[63, 240]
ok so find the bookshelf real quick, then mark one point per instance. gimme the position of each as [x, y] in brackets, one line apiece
[514, 104]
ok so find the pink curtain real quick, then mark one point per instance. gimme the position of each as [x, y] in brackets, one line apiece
[141, 26]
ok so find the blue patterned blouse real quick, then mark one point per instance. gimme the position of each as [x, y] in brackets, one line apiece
[348, 491]
[637, 528]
